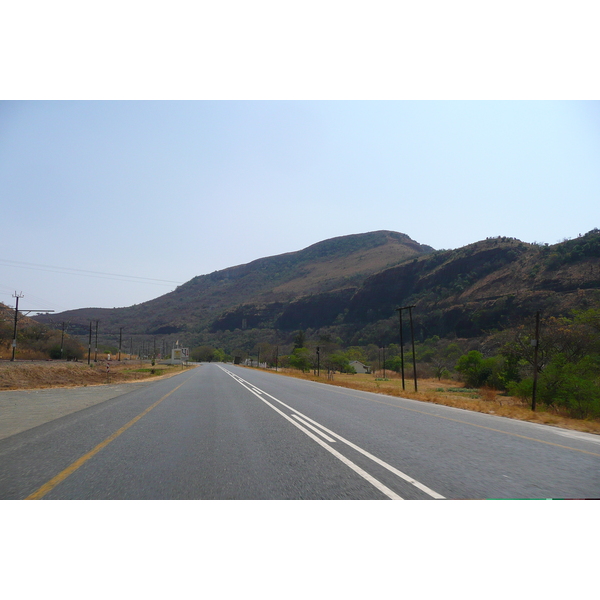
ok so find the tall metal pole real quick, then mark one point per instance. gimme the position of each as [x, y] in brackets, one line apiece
[412, 335]
[383, 361]
[535, 358]
[120, 341]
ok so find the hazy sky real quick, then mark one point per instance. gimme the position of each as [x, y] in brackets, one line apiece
[301, 122]
[169, 190]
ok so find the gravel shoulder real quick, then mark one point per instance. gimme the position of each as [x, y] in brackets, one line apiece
[24, 409]
[41, 391]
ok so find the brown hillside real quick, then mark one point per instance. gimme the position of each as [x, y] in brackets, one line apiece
[338, 263]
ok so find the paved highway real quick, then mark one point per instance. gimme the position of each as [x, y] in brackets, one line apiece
[225, 432]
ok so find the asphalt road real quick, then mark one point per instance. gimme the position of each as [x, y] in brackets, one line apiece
[225, 432]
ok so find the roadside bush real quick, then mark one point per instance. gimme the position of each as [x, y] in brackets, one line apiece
[572, 386]
[495, 372]
[474, 369]
[72, 350]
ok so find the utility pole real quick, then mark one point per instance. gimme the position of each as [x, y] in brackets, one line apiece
[401, 346]
[276, 357]
[318, 361]
[383, 348]
[412, 336]
[120, 341]
[14, 342]
[62, 339]
[40, 310]
[96, 349]
[536, 344]
[90, 344]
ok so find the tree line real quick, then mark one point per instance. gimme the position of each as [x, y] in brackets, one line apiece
[568, 361]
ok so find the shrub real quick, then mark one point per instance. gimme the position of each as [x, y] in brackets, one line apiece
[495, 372]
[300, 359]
[572, 386]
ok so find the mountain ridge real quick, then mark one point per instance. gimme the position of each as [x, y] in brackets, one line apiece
[349, 288]
[337, 263]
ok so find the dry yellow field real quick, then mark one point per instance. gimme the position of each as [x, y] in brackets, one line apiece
[27, 375]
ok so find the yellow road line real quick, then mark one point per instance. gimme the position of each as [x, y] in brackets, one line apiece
[463, 422]
[50, 485]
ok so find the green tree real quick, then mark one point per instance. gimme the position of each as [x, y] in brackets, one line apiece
[299, 340]
[475, 369]
[339, 361]
[202, 354]
[300, 359]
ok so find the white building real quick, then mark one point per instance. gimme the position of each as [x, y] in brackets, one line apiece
[359, 367]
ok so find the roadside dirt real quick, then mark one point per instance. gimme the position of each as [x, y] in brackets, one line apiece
[29, 375]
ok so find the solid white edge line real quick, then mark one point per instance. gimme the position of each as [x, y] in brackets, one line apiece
[380, 486]
[380, 462]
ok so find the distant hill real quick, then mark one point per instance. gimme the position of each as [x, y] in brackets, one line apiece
[468, 292]
[349, 287]
[338, 265]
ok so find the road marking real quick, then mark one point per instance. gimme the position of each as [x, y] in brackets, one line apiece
[380, 462]
[423, 412]
[50, 485]
[376, 483]
[396, 472]
[306, 424]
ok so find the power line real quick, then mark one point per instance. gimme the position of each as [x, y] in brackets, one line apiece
[84, 272]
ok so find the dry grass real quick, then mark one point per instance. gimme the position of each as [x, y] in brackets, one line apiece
[450, 393]
[52, 374]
